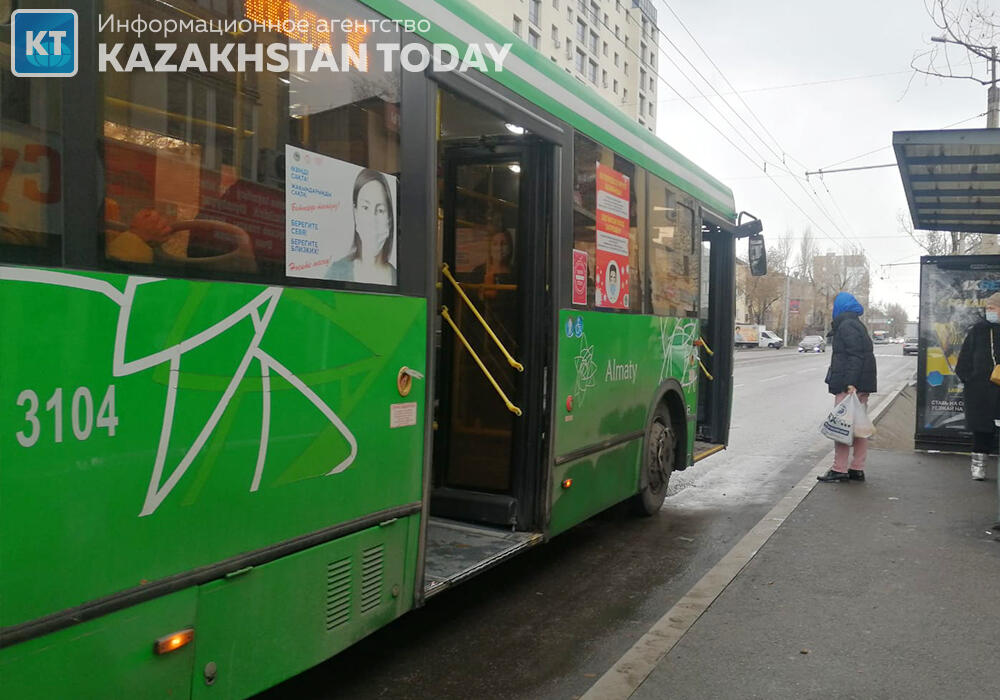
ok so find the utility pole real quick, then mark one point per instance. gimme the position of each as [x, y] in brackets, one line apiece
[788, 304]
[992, 94]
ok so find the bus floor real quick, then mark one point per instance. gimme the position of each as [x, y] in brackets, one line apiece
[456, 551]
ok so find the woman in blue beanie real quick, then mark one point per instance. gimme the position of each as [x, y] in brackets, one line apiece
[852, 370]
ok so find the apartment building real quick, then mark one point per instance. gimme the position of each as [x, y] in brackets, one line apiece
[610, 45]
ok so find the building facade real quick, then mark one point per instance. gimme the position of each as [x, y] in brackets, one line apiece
[610, 45]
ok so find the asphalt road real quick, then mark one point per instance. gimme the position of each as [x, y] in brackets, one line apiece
[550, 622]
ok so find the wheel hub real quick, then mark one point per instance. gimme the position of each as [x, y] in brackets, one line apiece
[661, 462]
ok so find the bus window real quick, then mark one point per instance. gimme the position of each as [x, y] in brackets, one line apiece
[674, 267]
[31, 205]
[195, 164]
[613, 277]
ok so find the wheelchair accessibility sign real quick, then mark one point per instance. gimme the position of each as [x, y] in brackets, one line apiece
[44, 43]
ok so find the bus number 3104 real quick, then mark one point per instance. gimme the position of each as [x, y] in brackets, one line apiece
[81, 415]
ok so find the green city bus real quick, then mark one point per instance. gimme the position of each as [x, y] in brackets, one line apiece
[284, 354]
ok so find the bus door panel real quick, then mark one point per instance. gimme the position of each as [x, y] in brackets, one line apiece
[718, 299]
[490, 357]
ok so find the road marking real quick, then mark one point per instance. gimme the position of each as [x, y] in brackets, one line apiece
[771, 379]
[737, 386]
[632, 669]
[803, 371]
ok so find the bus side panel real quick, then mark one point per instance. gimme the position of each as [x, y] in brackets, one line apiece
[599, 481]
[610, 367]
[158, 426]
[277, 620]
[111, 657]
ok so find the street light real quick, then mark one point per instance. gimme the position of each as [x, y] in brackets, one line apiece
[993, 94]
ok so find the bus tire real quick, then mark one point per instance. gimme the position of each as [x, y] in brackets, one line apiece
[658, 462]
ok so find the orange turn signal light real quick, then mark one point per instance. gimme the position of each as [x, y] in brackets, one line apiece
[173, 642]
[567, 483]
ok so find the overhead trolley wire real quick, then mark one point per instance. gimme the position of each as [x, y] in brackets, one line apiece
[708, 121]
[815, 197]
[741, 151]
[780, 152]
[884, 148]
[810, 83]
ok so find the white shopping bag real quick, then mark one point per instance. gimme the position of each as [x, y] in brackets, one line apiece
[863, 426]
[839, 425]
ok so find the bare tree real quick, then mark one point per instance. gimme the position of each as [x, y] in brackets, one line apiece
[762, 293]
[779, 257]
[974, 26]
[898, 318]
[940, 242]
[808, 250]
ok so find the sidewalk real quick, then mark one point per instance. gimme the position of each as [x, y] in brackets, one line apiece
[886, 589]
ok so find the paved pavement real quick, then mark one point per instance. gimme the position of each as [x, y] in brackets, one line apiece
[885, 589]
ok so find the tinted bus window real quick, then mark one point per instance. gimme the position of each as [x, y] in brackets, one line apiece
[199, 166]
[673, 263]
[31, 207]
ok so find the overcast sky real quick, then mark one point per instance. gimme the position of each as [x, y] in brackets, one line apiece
[764, 45]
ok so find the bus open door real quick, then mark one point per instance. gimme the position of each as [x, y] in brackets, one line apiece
[718, 302]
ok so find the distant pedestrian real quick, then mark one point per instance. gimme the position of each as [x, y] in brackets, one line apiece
[976, 361]
[852, 370]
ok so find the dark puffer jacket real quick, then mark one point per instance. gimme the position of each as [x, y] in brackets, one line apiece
[975, 363]
[853, 358]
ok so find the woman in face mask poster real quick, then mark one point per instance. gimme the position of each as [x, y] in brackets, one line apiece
[976, 360]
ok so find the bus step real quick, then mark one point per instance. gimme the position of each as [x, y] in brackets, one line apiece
[457, 551]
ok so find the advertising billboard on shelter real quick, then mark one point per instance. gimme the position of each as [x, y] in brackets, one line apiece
[952, 290]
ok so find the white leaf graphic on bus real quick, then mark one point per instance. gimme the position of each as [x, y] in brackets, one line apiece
[586, 369]
[680, 355]
[259, 310]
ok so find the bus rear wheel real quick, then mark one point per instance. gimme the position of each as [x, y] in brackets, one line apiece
[658, 462]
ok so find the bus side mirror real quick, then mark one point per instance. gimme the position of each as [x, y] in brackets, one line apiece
[757, 254]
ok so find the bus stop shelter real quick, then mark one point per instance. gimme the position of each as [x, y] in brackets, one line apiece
[951, 178]
[952, 183]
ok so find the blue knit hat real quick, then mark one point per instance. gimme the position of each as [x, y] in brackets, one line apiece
[845, 301]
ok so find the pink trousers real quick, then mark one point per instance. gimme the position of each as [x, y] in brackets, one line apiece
[841, 451]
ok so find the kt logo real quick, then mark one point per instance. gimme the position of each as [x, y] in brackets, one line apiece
[44, 43]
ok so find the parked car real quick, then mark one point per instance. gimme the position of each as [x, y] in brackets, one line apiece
[911, 346]
[812, 343]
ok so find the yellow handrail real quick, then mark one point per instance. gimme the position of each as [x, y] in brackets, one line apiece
[458, 288]
[510, 406]
[703, 369]
[705, 345]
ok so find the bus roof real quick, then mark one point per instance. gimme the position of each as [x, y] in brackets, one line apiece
[530, 74]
